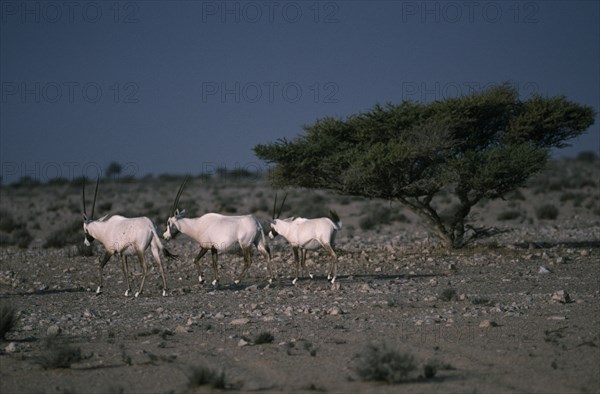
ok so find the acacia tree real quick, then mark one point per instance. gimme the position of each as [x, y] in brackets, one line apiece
[474, 147]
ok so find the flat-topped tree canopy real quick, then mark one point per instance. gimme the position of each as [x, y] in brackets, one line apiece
[482, 145]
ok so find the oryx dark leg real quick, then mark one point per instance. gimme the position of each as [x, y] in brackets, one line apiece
[197, 262]
[303, 263]
[101, 263]
[140, 255]
[215, 263]
[265, 251]
[297, 264]
[333, 266]
[247, 263]
[125, 272]
[162, 271]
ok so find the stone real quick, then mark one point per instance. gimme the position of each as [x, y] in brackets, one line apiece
[242, 342]
[11, 348]
[561, 296]
[53, 330]
[488, 324]
[181, 330]
[240, 322]
[544, 270]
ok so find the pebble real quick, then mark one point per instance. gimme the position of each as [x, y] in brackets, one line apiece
[53, 330]
[488, 324]
[181, 330]
[242, 342]
[561, 296]
[240, 322]
[11, 348]
[544, 270]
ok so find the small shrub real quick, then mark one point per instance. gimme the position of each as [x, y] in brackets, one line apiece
[547, 212]
[509, 215]
[7, 222]
[60, 356]
[378, 363]
[8, 319]
[68, 235]
[204, 376]
[587, 156]
[264, 337]
[448, 295]
[22, 238]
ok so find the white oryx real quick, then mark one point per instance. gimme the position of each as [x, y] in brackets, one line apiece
[308, 234]
[124, 237]
[219, 234]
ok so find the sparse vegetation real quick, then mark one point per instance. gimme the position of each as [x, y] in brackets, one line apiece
[381, 363]
[8, 319]
[60, 355]
[547, 212]
[449, 295]
[509, 215]
[264, 337]
[204, 376]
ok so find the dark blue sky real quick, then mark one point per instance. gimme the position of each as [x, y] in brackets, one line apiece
[189, 86]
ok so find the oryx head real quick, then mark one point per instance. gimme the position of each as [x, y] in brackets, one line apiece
[87, 220]
[176, 214]
[273, 232]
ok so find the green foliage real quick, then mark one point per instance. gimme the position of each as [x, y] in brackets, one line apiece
[476, 147]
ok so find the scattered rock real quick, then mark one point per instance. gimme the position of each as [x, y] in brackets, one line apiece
[452, 267]
[11, 348]
[240, 322]
[561, 296]
[53, 330]
[544, 270]
[181, 330]
[335, 311]
[242, 342]
[556, 318]
[488, 324]
[219, 315]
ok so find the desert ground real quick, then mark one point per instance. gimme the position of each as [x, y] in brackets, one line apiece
[515, 313]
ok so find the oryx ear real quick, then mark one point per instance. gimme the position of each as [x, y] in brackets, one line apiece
[182, 212]
[176, 212]
[85, 218]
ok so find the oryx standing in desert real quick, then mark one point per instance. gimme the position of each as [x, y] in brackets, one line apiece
[219, 234]
[307, 234]
[124, 237]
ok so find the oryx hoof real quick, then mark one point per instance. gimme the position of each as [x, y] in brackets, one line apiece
[98, 291]
[215, 283]
[333, 280]
[328, 276]
[127, 293]
[164, 293]
[311, 276]
[237, 281]
[137, 293]
[270, 280]
[200, 280]
[294, 281]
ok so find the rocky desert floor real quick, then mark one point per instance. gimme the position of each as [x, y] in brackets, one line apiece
[515, 313]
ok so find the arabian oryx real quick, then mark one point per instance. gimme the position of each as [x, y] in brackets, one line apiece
[124, 237]
[219, 234]
[307, 234]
